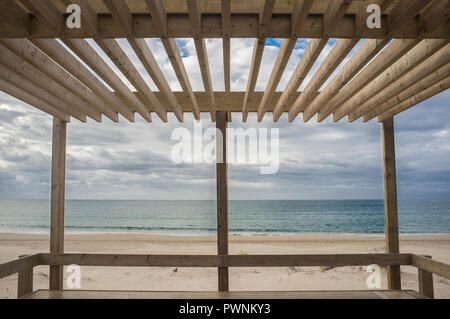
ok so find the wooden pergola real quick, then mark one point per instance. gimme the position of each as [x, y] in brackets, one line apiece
[400, 64]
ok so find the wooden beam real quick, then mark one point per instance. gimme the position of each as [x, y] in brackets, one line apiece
[156, 8]
[419, 97]
[435, 16]
[403, 12]
[122, 15]
[407, 62]
[302, 69]
[202, 55]
[144, 54]
[333, 260]
[25, 282]
[48, 75]
[333, 15]
[425, 279]
[89, 17]
[431, 266]
[46, 12]
[331, 62]
[40, 92]
[361, 57]
[245, 25]
[386, 58]
[390, 200]
[15, 16]
[96, 63]
[18, 265]
[299, 16]
[170, 45]
[222, 196]
[159, 16]
[125, 65]
[57, 200]
[280, 64]
[21, 94]
[226, 27]
[265, 18]
[258, 50]
[421, 84]
[428, 66]
[102, 97]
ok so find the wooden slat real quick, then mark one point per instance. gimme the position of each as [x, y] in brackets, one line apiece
[358, 60]
[428, 66]
[46, 12]
[226, 28]
[419, 97]
[333, 15]
[425, 279]
[173, 53]
[431, 266]
[331, 62]
[390, 200]
[89, 18]
[15, 16]
[96, 63]
[125, 65]
[202, 55]
[404, 11]
[328, 294]
[26, 97]
[305, 64]
[102, 97]
[40, 93]
[382, 61]
[159, 16]
[157, 9]
[121, 13]
[50, 76]
[280, 64]
[144, 54]
[58, 191]
[25, 282]
[407, 62]
[245, 25]
[222, 197]
[299, 16]
[258, 50]
[417, 87]
[18, 265]
[334, 260]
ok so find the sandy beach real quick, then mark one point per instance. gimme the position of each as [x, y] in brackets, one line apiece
[169, 278]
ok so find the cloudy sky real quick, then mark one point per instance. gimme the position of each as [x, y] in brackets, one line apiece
[317, 160]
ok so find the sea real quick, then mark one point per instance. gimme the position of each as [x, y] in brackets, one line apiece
[246, 217]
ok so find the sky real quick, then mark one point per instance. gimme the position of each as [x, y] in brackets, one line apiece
[317, 160]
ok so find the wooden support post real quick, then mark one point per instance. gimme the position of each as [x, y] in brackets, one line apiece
[390, 200]
[25, 281]
[426, 282]
[222, 196]
[57, 200]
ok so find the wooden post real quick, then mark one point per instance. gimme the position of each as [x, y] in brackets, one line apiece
[222, 197]
[25, 281]
[57, 200]
[426, 282]
[390, 200]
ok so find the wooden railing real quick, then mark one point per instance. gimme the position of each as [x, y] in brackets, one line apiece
[24, 265]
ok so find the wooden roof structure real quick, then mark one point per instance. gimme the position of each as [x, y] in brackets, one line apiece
[403, 63]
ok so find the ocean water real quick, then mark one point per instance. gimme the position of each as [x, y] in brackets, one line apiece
[246, 217]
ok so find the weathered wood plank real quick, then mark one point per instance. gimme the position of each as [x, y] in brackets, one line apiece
[390, 200]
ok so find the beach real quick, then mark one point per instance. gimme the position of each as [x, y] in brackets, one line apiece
[261, 278]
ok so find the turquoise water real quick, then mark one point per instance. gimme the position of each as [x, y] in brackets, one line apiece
[246, 217]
